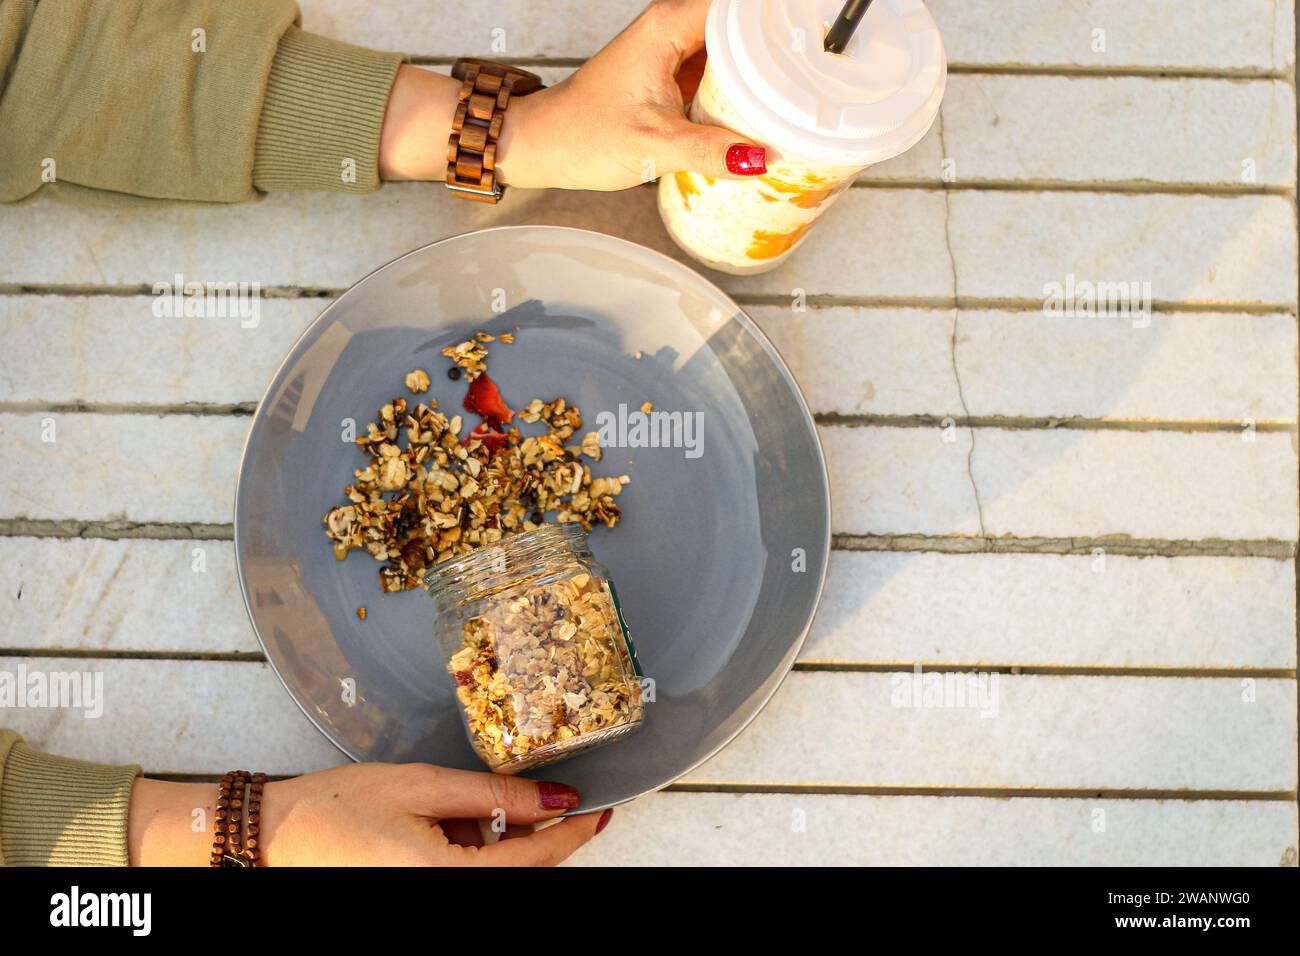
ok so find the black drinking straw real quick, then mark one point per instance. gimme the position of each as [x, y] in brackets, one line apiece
[842, 29]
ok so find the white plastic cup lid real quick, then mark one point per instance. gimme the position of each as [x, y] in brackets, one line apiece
[863, 106]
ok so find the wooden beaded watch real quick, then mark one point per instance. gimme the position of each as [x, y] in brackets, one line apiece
[486, 89]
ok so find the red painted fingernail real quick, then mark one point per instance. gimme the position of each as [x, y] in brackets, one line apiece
[557, 796]
[604, 819]
[746, 160]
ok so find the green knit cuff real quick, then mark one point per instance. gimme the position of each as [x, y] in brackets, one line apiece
[323, 114]
[60, 812]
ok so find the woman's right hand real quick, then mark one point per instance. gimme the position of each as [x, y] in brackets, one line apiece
[618, 121]
[417, 815]
[373, 815]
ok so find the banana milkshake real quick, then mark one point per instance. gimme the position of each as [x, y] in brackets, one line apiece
[823, 117]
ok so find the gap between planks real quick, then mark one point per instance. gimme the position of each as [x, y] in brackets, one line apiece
[943, 544]
[815, 300]
[1296, 561]
[1244, 74]
[997, 793]
[1145, 187]
[926, 420]
[993, 793]
[805, 666]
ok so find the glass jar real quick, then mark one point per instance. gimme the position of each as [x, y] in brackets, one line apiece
[534, 637]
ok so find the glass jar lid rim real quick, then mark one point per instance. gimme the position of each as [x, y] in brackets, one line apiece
[495, 558]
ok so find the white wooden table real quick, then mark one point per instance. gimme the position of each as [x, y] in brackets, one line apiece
[1107, 520]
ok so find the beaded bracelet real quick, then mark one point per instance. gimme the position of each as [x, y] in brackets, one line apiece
[234, 838]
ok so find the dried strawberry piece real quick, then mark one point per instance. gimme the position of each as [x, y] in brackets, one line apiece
[483, 398]
[490, 437]
[463, 678]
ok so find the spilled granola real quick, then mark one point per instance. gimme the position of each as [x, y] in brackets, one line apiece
[470, 355]
[435, 488]
[417, 381]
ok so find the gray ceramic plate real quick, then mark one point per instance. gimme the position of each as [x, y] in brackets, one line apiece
[705, 558]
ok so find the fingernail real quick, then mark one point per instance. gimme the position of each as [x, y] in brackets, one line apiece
[557, 796]
[604, 819]
[746, 160]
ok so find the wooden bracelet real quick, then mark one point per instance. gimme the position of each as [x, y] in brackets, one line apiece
[253, 818]
[227, 837]
[237, 820]
[485, 93]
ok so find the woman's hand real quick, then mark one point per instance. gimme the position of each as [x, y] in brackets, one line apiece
[400, 814]
[618, 121]
[371, 815]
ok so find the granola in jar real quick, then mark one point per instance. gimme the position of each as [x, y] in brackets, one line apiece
[535, 640]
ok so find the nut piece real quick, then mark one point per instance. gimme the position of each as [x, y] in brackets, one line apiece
[417, 381]
[542, 667]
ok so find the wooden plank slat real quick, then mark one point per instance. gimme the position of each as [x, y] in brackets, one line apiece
[849, 360]
[1207, 249]
[62, 349]
[1056, 610]
[821, 729]
[176, 716]
[1141, 132]
[128, 595]
[162, 467]
[857, 361]
[1094, 732]
[182, 597]
[1244, 34]
[1133, 130]
[1062, 483]
[709, 829]
[883, 480]
[1231, 250]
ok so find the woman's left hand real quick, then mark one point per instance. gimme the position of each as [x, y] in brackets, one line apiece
[618, 121]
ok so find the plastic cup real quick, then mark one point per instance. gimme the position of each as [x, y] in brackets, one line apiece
[823, 117]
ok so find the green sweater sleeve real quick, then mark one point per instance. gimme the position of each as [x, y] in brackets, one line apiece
[60, 812]
[190, 100]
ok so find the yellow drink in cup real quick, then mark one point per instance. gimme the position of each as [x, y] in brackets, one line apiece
[823, 117]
